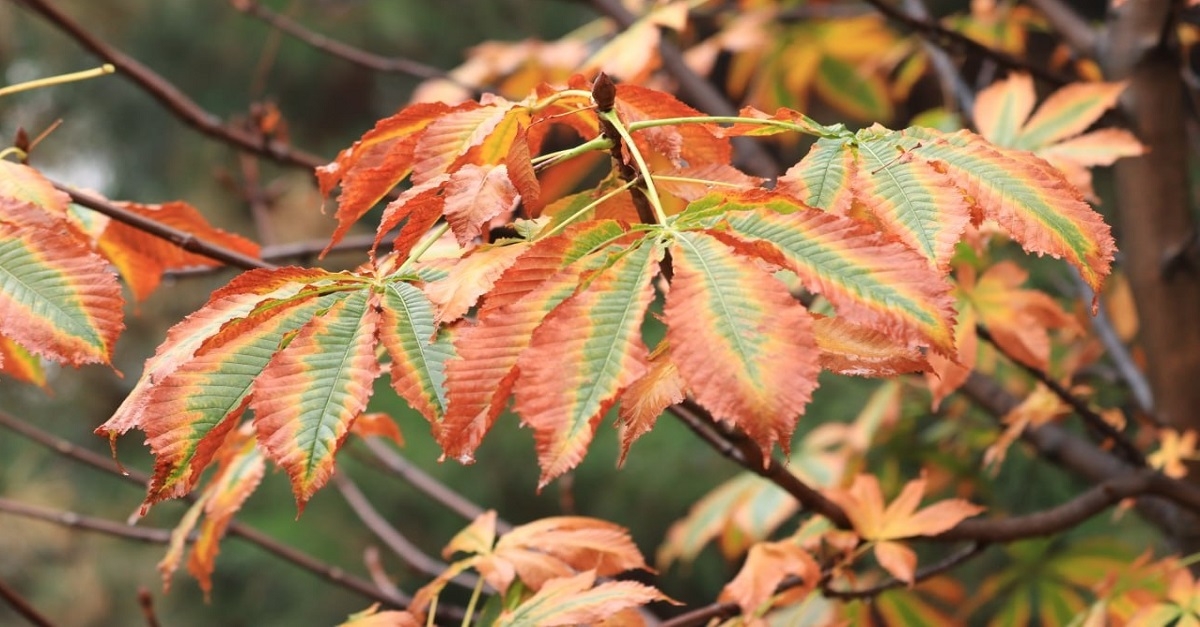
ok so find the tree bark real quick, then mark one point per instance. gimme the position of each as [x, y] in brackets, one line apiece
[1156, 226]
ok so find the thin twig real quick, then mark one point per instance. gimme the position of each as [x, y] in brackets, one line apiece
[182, 239]
[411, 554]
[341, 50]
[326, 571]
[174, 100]
[23, 607]
[426, 483]
[948, 563]
[1093, 420]
[146, 602]
[1117, 352]
[956, 93]
[374, 566]
[748, 455]
[85, 523]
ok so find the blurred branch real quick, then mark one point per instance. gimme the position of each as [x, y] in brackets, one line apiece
[955, 90]
[411, 554]
[939, 35]
[695, 88]
[329, 572]
[341, 50]
[419, 479]
[169, 96]
[1129, 371]
[1094, 421]
[23, 607]
[948, 563]
[146, 601]
[85, 523]
[1075, 30]
[375, 569]
[182, 239]
[747, 454]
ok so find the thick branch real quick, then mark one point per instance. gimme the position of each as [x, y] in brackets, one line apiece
[341, 50]
[182, 239]
[169, 96]
[23, 607]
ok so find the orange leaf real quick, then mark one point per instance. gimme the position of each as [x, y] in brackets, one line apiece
[863, 504]
[897, 559]
[476, 195]
[559, 546]
[767, 565]
[469, 278]
[577, 600]
[851, 349]
[377, 424]
[644, 400]
[142, 258]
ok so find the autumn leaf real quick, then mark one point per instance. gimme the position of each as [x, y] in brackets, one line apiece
[767, 565]
[372, 617]
[1019, 319]
[1055, 131]
[741, 343]
[1038, 408]
[1173, 450]
[583, 355]
[578, 600]
[647, 398]
[864, 506]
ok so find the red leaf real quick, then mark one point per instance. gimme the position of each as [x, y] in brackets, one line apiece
[474, 196]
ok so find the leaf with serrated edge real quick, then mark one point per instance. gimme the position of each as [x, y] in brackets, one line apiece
[418, 208]
[187, 415]
[576, 600]
[475, 195]
[479, 379]
[704, 179]
[418, 363]
[452, 135]
[20, 364]
[314, 388]
[559, 546]
[912, 199]
[58, 299]
[871, 281]
[1026, 196]
[240, 470]
[647, 398]
[766, 566]
[741, 342]
[469, 278]
[378, 162]
[234, 301]
[850, 349]
[23, 184]
[582, 356]
[685, 145]
[824, 177]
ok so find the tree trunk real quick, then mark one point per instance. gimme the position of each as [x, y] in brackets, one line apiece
[1156, 227]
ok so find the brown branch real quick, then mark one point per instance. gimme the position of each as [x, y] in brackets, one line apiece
[146, 602]
[374, 566]
[23, 607]
[329, 572]
[85, 523]
[182, 239]
[170, 97]
[1094, 421]
[341, 50]
[411, 554]
[696, 89]
[427, 484]
[747, 454]
[702, 615]
[1129, 371]
[947, 38]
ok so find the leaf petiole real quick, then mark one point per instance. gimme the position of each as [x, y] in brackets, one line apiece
[471, 604]
[582, 210]
[808, 125]
[421, 248]
[599, 143]
[60, 79]
[651, 191]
